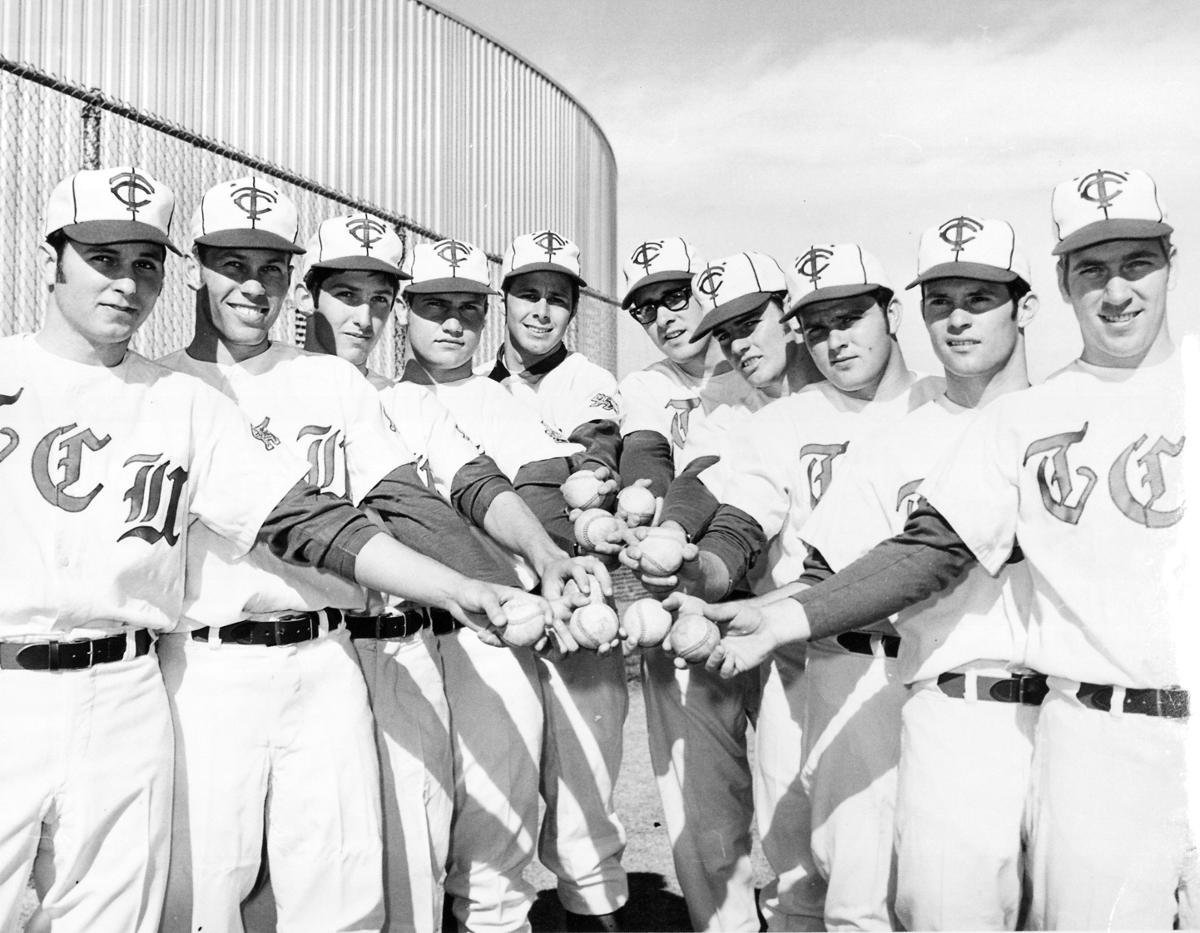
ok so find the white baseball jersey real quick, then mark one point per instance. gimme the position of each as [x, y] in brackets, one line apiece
[1085, 472]
[780, 462]
[103, 470]
[688, 411]
[308, 404]
[980, 617]
[428, 429]
[574, 392]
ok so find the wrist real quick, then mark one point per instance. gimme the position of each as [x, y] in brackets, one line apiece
[789, 622]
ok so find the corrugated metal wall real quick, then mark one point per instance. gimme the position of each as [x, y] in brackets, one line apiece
[392, 101]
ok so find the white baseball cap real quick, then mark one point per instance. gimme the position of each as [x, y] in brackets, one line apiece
[1106, 204]
[666, 259]
[358, 242]
[835, 270]
[112, 205]
[544, 251]
[247, 212]
[733, 286]
[447, 266]
[971, 248]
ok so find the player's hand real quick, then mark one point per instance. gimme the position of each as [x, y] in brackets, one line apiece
[609, 485]
[658, 505]
[479, 606]
[750, 633]
[679, 604]
[560, 642]
[612, 545]
[659, 585]
[584, 572]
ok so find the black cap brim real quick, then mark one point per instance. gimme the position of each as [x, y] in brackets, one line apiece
[1118, 228]
[543, 267]
[734, 308]
[361, 264]
[667, 275]
[449, 286]
[93, 232]
[248, 239]
[831, 293]
[964, 270]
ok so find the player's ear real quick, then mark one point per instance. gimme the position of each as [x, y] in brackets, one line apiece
[1027, 307]
[48, 265]
[191, 271]
[893, 312]
[1172, 265]
[303, 299]
[1060, 270]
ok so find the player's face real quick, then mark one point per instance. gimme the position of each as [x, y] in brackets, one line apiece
[850, 340]
[105, 291]
[351, 308]
[676, 314]
[245, 290]
[444, 329]
[539, 307]
[756, 344]
[1119, 292]
[973, 325]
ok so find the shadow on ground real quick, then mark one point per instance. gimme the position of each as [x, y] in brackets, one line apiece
[652, 906]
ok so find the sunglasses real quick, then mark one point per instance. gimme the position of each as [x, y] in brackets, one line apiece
[675, 300]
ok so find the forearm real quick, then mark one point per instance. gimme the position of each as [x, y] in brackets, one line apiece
[511, 522]
[388, 566]
[539, 484]
[688, 502]
[647, 455]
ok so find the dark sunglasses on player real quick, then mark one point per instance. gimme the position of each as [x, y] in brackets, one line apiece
[674, 300]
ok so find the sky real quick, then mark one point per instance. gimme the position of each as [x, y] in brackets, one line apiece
[774, 125]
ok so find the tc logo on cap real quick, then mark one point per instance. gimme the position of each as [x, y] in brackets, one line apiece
[253, 201]
[709, 281]
[366, 230]
[129, 188]
[452, 252]
[813, 263]
[954, 232]
[551, 242]
[646, 254]
[1095, 188]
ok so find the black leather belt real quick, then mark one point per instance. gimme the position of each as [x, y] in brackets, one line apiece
[1171, 703]
[399, 623]
[1026, 689]
[71, 655]
[860, 643]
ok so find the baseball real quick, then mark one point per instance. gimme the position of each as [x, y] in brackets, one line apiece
[526, 623]
[594, 625]
[693, 638]
[646, 623]
[595, 527]
[637, 504]
[581, 490]
[661, 555]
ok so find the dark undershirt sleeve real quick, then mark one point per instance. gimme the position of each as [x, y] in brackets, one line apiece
[475, 486]
[316, 529]
[647, 455]
[601, 440]
[417, 516]
[688, 501]
[816, 568]
[925, 558]
[539, 484]
[736, 539]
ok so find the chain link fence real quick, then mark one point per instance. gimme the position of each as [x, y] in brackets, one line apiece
[50, 128]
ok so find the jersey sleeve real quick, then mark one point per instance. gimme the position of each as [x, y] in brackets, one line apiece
[752, 474]
[447, 448]
[851, 518]
[373, 446]
[642, 405]
[514, 436]
[975, 488]
[598, 400]
[235, 480]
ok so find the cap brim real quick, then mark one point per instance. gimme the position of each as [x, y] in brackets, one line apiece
[361, 264]
[118, 231]
[449, 286]
[964, 270]
[248, 239]
[832, 292]
[743, 304]
[544, 267]
[667, 275]
[1118, 228]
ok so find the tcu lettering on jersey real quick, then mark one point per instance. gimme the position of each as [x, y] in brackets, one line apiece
[679, 421]
[817, 462]
[1138, 482]
[322, 453]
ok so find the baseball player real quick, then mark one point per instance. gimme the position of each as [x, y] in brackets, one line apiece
[968, 715]
[771, 474]
[266, 692]
[1084, 472]
[109, 459]
[582, 837]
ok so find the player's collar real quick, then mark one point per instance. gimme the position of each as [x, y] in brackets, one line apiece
[500, 372]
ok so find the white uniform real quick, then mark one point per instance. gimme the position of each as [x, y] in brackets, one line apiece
[280, 736]
[696, 722]
[954, 752]
[584, 693]
[1085, 472]
[777, 468]
[498, 733]
[104, 470]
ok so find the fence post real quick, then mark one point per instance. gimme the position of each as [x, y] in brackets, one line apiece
[91, 135]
